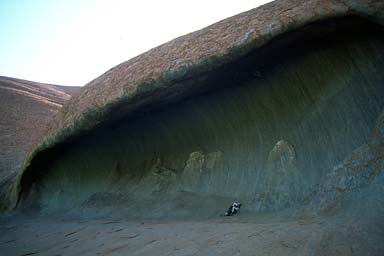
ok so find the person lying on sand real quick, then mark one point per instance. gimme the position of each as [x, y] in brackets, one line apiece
[234, 208]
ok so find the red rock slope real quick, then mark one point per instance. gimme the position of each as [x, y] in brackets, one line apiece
[26, 108]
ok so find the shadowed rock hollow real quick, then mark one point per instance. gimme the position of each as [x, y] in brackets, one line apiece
[271, 126]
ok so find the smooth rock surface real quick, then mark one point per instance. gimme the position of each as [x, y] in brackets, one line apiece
[26, 108]
[280, 108]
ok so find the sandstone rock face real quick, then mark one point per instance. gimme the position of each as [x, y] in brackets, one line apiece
[281, 172]
[201, 116]
[282, 158]
[157, 76]
[364, 166]
[158, 180]
[268, 140]
[280, 108]
[26, 109]
[198, 171]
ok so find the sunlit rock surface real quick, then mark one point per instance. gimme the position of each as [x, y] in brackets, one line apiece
[26, 108]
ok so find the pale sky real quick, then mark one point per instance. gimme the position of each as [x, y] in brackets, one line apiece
[69, 42]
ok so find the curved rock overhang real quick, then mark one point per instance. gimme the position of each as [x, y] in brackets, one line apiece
[188, 66]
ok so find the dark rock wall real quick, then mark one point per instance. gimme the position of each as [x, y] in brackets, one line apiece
[281, 119]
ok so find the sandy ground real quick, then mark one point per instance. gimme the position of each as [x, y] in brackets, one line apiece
[221, 236]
